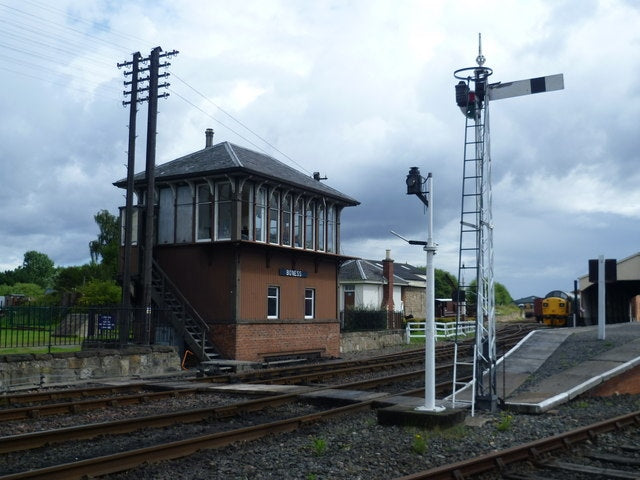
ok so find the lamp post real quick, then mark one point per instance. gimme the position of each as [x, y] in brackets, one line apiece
[415, 182]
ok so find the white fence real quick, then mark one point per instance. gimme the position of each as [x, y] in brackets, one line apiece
[444, 330]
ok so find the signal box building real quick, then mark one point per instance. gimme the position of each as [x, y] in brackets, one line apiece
[251, 246]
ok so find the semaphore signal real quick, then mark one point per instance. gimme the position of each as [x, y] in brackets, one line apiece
[473, 94]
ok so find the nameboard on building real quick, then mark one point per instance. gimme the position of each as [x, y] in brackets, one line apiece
[288, 272]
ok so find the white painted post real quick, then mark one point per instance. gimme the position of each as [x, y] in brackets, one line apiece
[429, 328]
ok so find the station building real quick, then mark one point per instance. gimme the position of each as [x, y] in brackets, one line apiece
[252, 245]
[622, 295]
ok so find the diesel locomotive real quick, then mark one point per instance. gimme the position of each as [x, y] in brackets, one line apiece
[556, 309]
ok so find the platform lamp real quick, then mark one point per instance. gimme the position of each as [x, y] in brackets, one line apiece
[415, 183]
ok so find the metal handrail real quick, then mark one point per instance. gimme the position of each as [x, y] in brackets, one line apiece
[168, 286]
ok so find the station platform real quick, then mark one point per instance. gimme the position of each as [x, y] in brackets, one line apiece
[552, 366]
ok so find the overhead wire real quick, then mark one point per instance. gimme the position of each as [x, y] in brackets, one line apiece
[237, 121]
[63, 38]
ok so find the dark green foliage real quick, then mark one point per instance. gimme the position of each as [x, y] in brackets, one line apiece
[100, 292]
[106, 247]
[36, 268]
[30, 290]
[444, 284]
[356, 319]
[501, 294]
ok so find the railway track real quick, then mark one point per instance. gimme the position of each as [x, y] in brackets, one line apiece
[130, 458]
[552, 457]
[29, 441]
[120, 461]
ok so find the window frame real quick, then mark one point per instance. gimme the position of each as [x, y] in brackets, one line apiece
[310, 225]
[286, 207]
[261, 208]
[298, 223]
[321, 210]
[219, 204]
[274, 217]
[273, 294]
[309, 303]
[332, 239]
[203, 204]
[183, 214]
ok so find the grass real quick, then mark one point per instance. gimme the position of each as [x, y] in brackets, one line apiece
[504, 424]
[319, 446]
[419, 445]
[18, 341]
[40, 350]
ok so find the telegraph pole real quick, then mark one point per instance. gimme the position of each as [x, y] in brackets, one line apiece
[152, 98]
[128, 215]
[152, 121]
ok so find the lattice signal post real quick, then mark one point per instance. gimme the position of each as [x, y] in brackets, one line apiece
[475, 260]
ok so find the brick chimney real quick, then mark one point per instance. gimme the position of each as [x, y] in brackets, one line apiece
[387, 290]
[208, 135]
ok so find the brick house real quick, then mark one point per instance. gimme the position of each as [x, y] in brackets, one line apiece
[251, 247]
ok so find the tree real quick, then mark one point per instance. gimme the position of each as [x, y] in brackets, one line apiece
[30, 290]
[501, 294]
[106, 247]
[445, 284]
[100, 292]
[36, 268]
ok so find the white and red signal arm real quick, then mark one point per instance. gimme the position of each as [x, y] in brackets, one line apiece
[525, 87]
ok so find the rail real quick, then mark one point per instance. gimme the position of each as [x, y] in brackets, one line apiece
[444, 330]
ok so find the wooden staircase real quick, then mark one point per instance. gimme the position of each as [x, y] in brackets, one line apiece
[184, 318]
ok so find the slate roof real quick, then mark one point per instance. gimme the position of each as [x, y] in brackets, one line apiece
[370, 271]
[227, 158]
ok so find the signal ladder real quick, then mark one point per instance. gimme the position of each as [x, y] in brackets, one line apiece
[475, 259]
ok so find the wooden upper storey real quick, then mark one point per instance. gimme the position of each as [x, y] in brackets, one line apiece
[228, 193]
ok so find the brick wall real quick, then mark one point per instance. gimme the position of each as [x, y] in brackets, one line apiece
[255, 341]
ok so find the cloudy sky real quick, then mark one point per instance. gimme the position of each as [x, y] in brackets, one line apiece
[358, 90]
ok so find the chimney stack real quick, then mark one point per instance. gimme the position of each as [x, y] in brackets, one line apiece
[208, 134]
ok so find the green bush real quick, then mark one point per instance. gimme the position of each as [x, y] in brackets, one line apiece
[364, 319]
[99, 292]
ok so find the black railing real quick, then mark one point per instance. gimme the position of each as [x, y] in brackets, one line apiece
[55, 328]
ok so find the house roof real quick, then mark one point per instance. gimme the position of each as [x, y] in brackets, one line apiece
[227, 158]
[370, 271]
[524, 300]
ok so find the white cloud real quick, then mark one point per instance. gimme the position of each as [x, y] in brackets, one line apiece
[360, 91]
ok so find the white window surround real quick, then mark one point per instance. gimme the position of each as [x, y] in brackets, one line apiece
[309, 303]
[273, 301]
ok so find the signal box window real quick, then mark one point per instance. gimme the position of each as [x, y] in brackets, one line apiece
[273, 301]
[309, 302]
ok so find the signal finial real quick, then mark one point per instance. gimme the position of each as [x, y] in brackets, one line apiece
[480, 58]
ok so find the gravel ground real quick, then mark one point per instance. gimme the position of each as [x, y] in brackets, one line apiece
[356, 447]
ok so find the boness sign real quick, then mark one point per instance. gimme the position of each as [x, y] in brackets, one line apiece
[286, 272]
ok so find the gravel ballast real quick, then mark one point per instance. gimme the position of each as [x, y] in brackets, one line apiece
[354, 446]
